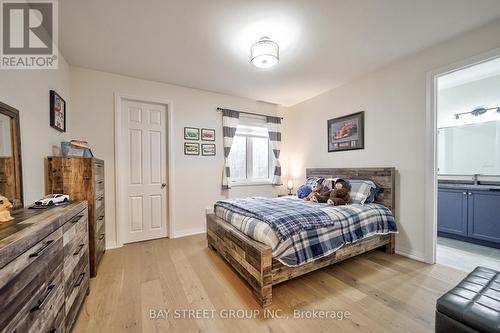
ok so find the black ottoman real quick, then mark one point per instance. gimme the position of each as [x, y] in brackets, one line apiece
[472, 306]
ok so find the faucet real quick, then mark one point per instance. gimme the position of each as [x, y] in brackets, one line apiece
[475, 178]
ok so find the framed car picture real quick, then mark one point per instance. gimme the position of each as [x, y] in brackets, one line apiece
[347, 132]
[207, 134]
[191, 148]
[57, 112]
[191, 133]
[208, 149]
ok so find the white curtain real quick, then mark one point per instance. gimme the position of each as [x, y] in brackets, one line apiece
[274, 129]
[230, 121]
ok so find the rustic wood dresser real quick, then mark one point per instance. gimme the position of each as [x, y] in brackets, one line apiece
[44, 268]
[82, 178]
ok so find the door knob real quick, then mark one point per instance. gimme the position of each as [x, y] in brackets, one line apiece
[163, 185]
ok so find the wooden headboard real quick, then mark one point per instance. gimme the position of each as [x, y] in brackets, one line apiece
[384, 177]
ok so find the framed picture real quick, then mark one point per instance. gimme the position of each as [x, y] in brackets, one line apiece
[191, 148]
[207, 134]
[191, 133]
[57, 112]
[208, 149]
[347, 132]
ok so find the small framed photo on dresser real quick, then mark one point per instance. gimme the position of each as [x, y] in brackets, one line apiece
[347, 132]
[207, 134]
[208, 149]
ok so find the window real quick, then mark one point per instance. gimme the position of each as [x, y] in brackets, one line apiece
[249, 158]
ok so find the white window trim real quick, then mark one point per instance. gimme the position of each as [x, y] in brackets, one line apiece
[255, 182]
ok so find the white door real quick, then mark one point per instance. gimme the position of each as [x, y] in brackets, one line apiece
[145, 171]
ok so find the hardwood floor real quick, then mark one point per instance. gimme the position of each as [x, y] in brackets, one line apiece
[382, 293]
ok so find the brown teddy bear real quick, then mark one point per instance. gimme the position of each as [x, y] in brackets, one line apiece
[340, 194]
[337, 196]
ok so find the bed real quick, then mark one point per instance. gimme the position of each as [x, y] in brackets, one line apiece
[270, 256]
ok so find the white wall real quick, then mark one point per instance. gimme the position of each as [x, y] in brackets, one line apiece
[197, 180]
[394, 99]
[28, 92]
[467, 97]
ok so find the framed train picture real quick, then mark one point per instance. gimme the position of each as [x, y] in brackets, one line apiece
[347, 132]
[57, 112]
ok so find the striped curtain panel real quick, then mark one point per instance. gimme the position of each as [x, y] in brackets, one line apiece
[230, 121]
[274, 129]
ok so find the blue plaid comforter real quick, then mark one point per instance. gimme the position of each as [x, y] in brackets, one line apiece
[299, 231]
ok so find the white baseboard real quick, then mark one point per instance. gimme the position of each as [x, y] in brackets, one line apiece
[189, 232]
[111, 245]
[415, 255]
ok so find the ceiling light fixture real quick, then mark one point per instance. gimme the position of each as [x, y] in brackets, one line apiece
[264, 53]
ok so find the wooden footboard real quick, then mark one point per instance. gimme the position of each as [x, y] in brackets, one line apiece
[253, 260]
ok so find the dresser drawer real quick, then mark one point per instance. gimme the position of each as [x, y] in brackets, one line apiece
[99, 225]
[22, 277]
[74, 231]
[75, 280]
[75, 294]
[100, 244]
[99, 187]
[99, 205]
[40, 312]
[58, 324]
[98, 171]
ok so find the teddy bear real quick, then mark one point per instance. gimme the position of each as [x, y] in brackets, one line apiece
[316, 189]
[5, 205]
[339, 195]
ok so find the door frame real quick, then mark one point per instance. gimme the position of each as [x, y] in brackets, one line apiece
[430, 186]
[120, 193]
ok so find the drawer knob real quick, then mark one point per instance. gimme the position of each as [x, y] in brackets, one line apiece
[80, 280]
[101, 218]
[42, 302]
[77, 218]
[40, 251]
[80, 247]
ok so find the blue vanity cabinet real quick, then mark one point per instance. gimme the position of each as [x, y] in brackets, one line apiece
[452, 211]
[484, 215]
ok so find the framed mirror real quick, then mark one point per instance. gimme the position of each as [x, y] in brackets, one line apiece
[11, 183]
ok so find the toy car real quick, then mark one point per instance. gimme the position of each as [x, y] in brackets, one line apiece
[52, 199]
[347, 129]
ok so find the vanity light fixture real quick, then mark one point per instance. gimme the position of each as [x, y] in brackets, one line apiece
[477, 112]
[264, 53]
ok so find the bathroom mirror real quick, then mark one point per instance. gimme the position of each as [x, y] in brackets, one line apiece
[11, 184]
[469, 149]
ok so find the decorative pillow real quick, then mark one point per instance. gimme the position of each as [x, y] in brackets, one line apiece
[361, 190]
[303, 191]
[373, 194]
[311, 181]
[329, 183]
